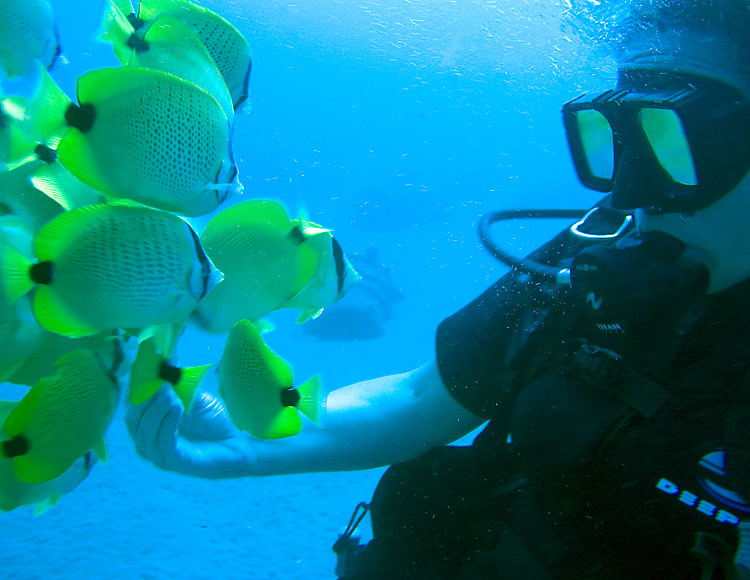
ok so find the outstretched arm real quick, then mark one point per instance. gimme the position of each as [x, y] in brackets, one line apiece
[367, 424]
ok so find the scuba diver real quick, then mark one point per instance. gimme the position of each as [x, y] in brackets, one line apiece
[611, 365]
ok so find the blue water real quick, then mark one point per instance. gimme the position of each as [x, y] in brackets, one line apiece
[397, 124]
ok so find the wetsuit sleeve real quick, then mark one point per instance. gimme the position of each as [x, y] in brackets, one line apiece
[479, 348]
[470, 346]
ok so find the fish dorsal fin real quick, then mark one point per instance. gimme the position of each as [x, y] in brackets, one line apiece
[26, 408]
[255, 212]
[189, 58]
[100, 85]
[148, 9]
[56, 235]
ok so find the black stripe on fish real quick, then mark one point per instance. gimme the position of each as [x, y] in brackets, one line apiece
[81, 118]
[245, 82]
[297, 235]
[19, 445]
[338, 258]
[170, 373]
[42, 272]
[202, 258]
[88, 462]
[290, 397]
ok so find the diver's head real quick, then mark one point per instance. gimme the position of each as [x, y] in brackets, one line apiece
[672, 140]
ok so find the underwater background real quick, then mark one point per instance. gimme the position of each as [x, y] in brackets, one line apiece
[397, 124]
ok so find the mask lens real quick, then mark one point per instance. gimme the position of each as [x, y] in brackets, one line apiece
[598, 142]
[666, 135]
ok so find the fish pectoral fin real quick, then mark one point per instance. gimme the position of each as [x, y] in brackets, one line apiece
[308, 314]
[43, 506]
[53, 314]
[100, 449]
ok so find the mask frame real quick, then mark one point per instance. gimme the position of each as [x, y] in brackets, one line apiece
[713, 121]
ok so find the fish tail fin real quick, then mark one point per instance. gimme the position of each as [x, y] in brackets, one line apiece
[117, 29]
[59, 184]
[15, 280]
[309, 398]
[21, 146]
[190, 378]
[145, 377]
[45, 112]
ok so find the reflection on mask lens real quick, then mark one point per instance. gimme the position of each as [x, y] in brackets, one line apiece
[598, 143]
[666, 135]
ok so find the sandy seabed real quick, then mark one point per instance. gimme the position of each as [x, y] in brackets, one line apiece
[130, 520]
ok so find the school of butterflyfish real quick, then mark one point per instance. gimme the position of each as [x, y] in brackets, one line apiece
[100, 271]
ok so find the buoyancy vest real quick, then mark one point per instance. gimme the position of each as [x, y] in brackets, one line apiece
[595, 465]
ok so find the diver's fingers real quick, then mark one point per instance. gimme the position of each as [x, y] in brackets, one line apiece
[153, 425]
[207, 420]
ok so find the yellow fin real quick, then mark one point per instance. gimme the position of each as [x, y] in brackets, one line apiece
[100, 449]
[26, 408]
[76, 155]
[53, 314]
[144, 373]
[190, 378]
[29, 470]
[117, 30]
[43, 506]
[309, 398]
[59, 184]
[285, 424]
[45, 111]
[57, 234]
[15, 280]
[308, 314]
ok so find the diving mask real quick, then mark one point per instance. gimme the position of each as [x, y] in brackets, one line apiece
[660, 141]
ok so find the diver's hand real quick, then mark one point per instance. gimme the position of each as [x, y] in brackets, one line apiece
[202, 443]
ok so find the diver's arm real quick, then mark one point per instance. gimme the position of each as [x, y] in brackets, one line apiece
[373, 423]
[367, 424]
